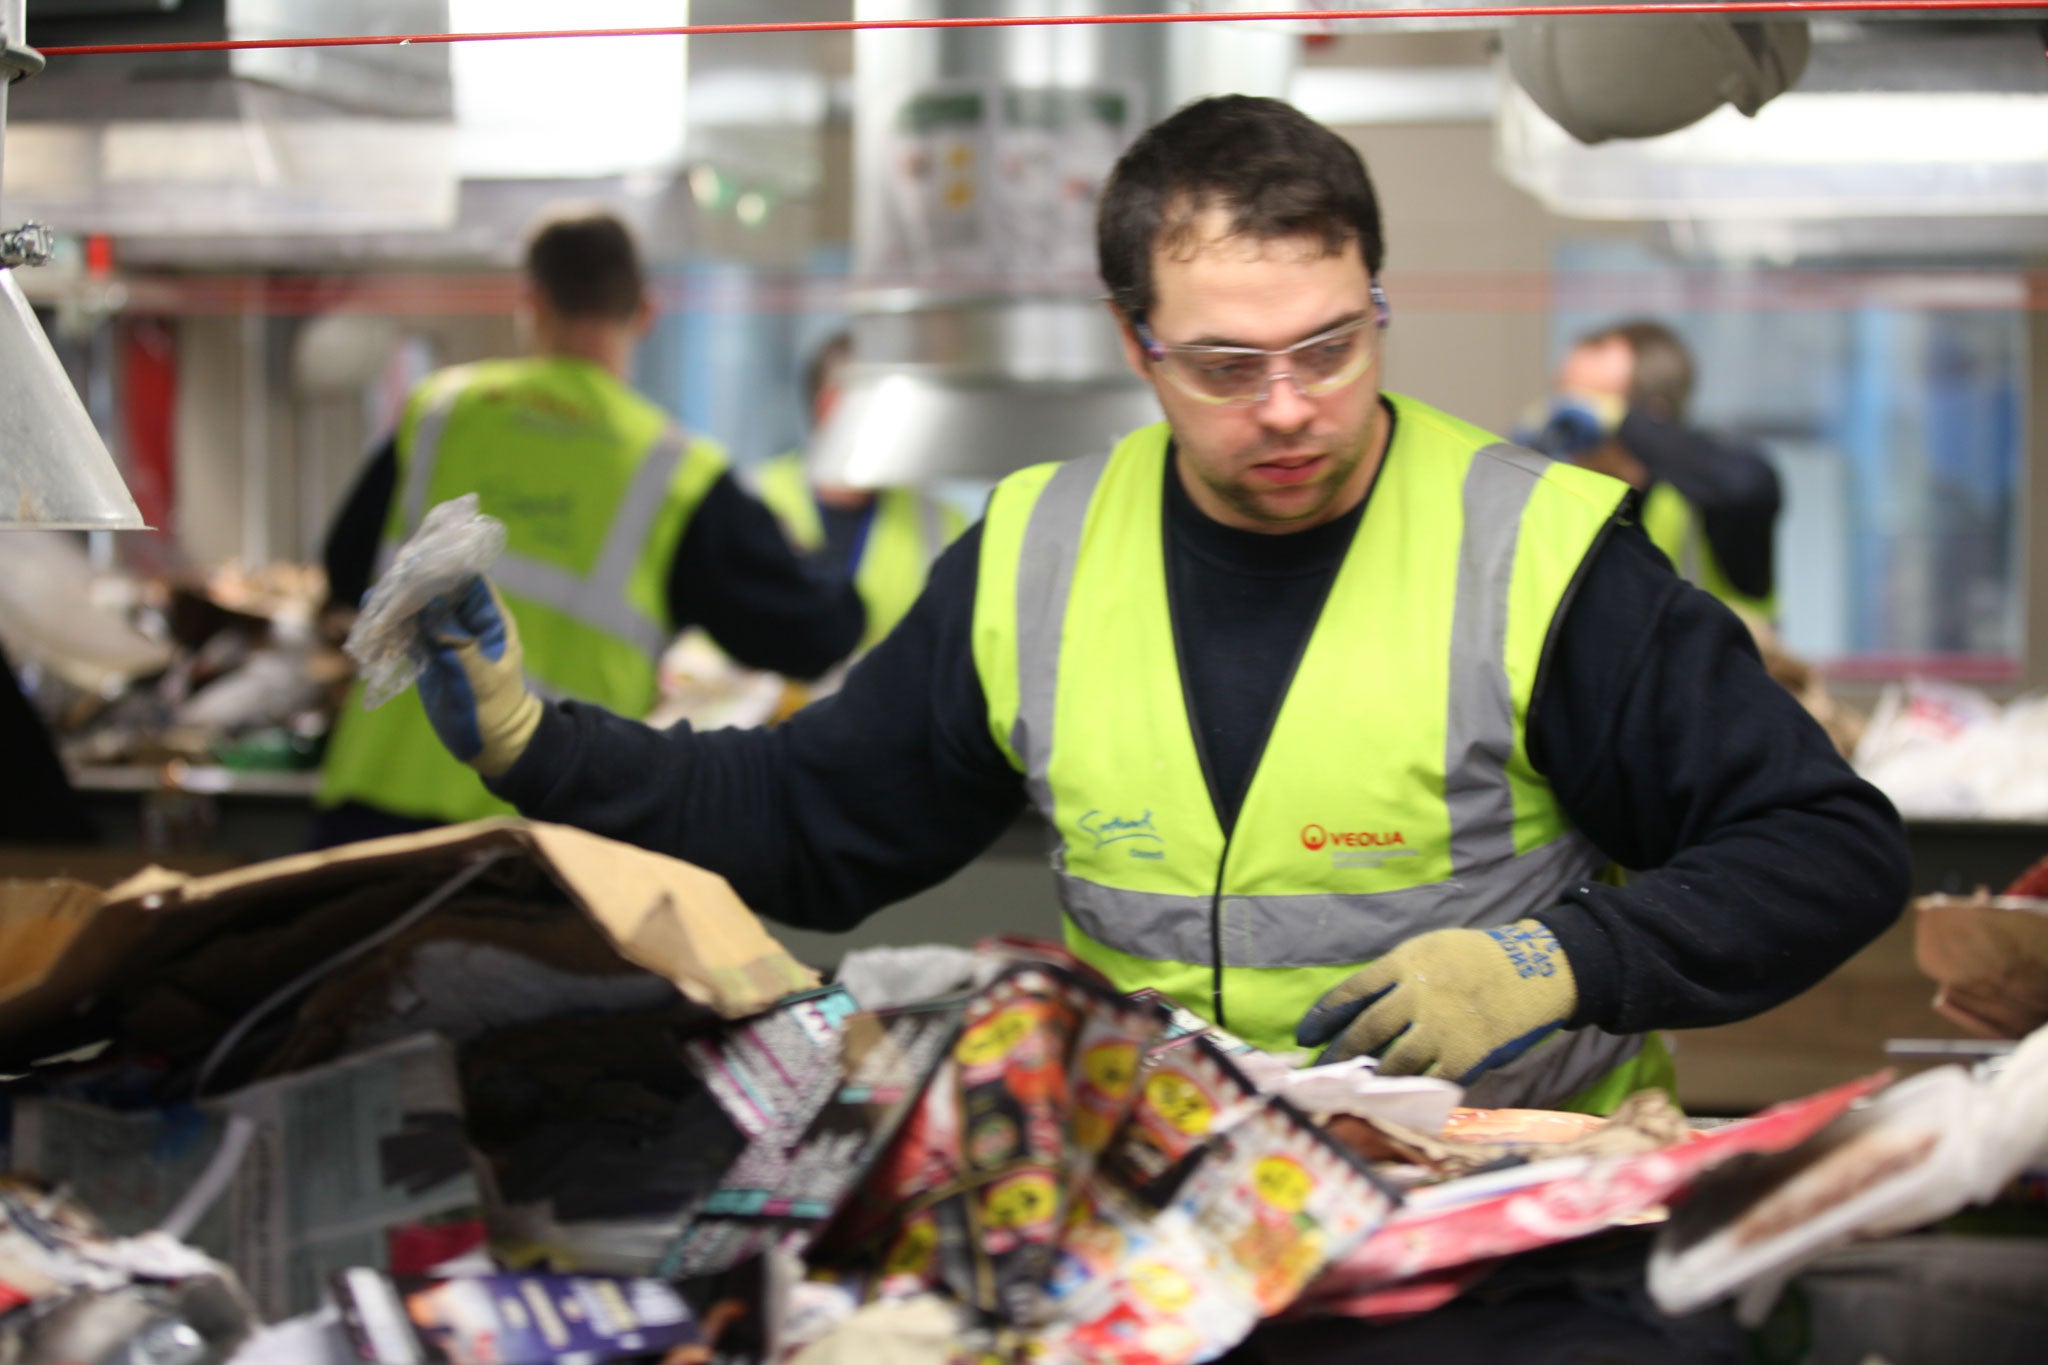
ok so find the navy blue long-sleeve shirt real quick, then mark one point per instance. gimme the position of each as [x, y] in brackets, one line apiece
[1763, 861]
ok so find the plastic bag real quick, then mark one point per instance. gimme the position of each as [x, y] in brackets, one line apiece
[1927, 1147]
[1941, 751]
[454, 544]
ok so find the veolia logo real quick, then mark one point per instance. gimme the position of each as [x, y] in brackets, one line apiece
[1314, 837]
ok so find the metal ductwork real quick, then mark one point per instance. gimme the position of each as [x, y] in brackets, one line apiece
[981, 343]
[1898, 138]
[299, 141]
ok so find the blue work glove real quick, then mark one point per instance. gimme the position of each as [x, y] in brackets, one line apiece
[473, 680]
[1452, 1003]
[1573, 424]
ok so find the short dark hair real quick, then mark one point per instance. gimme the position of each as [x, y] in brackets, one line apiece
[1661, 380]
[832, 351]
[1274, 170]
[585, 265]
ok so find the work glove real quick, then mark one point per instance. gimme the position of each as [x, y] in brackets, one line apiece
[1572, 424]
[473, 681]
[1452, 1003]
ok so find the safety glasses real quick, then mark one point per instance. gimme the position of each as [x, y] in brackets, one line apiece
[1239, 376]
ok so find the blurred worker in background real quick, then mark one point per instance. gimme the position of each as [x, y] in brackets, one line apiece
[1710, 501]
[37, 802]
[884, 539]
[622, 529]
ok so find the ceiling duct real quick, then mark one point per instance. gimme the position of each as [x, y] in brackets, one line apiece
[1893, 130]
[303, 140]
[1601, 78]
[54, 469]
[981, 344]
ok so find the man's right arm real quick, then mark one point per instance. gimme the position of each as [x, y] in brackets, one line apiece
[860, 800]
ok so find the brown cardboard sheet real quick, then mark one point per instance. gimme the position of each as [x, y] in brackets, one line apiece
[64, 945]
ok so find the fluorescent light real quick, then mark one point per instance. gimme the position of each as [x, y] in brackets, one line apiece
[1848, 155]
[1349, 96]
[536, 108]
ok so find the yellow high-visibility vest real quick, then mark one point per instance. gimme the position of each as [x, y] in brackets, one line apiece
[1673, 525]
[905, 533]
[1395, 793]
[595, 486]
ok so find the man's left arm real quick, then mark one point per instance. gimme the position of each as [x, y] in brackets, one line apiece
[1729, 481]
[1761, 861]
[735, 574]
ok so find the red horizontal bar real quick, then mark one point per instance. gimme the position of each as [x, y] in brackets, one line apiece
[1759, 7]
[1975, 668]
[409, 293]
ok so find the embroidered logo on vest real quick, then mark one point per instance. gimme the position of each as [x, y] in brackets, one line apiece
[1139, 834]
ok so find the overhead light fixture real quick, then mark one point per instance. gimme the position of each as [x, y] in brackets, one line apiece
[55, 472]
[563, 108]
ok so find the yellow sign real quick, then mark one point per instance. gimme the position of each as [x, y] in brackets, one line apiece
[1283, 1183]
[1180, 1102]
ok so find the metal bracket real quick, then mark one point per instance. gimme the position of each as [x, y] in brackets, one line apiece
[18, 61]
[29, 244]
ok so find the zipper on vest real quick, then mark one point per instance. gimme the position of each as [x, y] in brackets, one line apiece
[1216, 933]
[1187, 704]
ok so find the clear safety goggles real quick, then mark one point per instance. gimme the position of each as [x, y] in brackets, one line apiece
[1239, 376]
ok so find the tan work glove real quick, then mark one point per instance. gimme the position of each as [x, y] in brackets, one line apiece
[1453, 1003]
[473, 681]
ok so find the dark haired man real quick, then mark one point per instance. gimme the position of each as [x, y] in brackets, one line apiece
[1337, 705]
[622, 530]
[1709, 501]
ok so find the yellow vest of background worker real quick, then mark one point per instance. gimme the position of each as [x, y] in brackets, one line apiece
[595, 486]
[1395, 793]
[1673, 525]
[905, 533]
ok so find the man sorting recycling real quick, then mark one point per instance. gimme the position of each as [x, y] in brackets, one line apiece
[1344, 712]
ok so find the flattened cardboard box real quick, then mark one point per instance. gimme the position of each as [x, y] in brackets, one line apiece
[64, 945]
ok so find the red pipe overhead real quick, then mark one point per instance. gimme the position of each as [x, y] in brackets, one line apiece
[1740, 7]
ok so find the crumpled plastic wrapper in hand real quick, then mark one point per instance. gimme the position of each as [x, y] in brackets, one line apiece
[455, 543]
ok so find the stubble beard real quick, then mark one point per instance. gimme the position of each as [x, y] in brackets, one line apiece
[1261, 506]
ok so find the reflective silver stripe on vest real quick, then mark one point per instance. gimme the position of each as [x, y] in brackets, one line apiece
[931, 520]
[599, 599]
[426, 452]
[624, 544]
[1323, 928]
[1480, 726]
[1045, 576]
